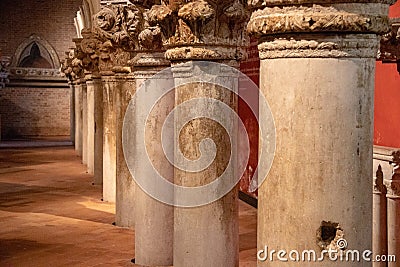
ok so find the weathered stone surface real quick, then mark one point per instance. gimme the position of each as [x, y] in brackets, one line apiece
[216, 223]
[323, 116]
[125, 198]
[109, 138]
[78, 116]
[318, 18]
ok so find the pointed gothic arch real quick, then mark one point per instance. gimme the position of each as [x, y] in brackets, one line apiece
[35, 51]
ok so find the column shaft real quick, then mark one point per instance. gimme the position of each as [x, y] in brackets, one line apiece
[393, 210]
[379, 216]
[98, 132]
[84, 124]
[78, 118]
[90, 123]
[72, 111]
[207, 235]
[109, 138]
[125, 199]
[153, 219]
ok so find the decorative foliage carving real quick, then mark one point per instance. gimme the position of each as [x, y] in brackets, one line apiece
[72, 66]
[390, 43]
[314, 19]
[66, 66]
[202, 29]
[121, 31]
[282, 24]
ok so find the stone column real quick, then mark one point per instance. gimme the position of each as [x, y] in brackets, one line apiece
[125, 198]
[317, 73]
[393, 210]
[153, 219]
[90, 123]
[379, 219]
[98, 132]
[210, 230]
[88, 52]
[84, 122]
[93, 84]
[109, 137]
[206, 234]
[78, 117]
[72, 111]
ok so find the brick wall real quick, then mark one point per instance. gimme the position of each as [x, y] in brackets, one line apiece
[34, 112]
[53, 20]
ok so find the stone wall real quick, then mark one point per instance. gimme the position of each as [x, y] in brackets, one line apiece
[34, 112]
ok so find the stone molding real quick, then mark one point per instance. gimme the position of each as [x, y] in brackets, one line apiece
[263, 3]
[202, 29]
[35, 72]
[390, 43]
[319, 46]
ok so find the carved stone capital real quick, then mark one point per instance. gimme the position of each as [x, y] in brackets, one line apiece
[202, 29]
[379, 186]
[317, 18]
[393, 185]
[393, 189]
[390, 43]
[306, 28]
[122, 31]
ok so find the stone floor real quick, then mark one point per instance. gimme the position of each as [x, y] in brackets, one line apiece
[51, 214]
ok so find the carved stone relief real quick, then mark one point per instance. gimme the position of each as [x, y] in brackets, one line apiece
[312, 28]
[390, 43]
[202, 29]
